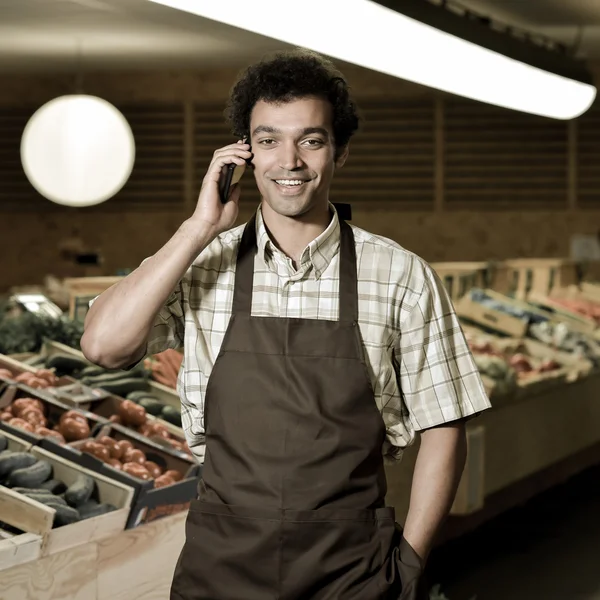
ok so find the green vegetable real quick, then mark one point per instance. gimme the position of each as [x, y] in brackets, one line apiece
[152, 406]
[122, 387]
[138, 395]
[94, 509]
[80, 490]
[9, 461]
[66, 364]
[171, 414]
[65, 515]
[26, 332]
[92, 371]
[99, 380]
[42, 496]
[32, 476]
[54, 486]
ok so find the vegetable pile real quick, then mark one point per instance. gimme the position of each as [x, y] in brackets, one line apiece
[33, 477]
[505, 364]
[132, 414]
[586, 308]
[165, 367]
[124, 456]
[26, 332]
[41, 379]
[30, 414]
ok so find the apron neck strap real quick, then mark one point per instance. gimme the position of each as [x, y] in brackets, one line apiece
[244, 273]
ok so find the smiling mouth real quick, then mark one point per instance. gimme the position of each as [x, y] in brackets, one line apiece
[290, 183]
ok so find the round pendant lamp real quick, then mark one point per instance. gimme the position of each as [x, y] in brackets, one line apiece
[77, 150]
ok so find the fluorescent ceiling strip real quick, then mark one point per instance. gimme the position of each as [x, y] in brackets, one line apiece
[367, 34]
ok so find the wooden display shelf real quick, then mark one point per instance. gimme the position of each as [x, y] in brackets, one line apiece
[33, 517]
[136, 564]
[544, 430]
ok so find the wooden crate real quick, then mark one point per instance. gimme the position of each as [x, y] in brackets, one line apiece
[574, 320]
[491, 318]
[86, 289]
[460, 277]
[33, 517]
[540, 275]
[16, 549]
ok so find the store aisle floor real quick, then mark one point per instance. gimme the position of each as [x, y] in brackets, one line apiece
[548, 549]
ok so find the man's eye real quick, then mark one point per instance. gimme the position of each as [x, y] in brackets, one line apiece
[314, 142]
[266, 142]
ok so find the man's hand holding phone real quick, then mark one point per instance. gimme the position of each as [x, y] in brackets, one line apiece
[211, 212]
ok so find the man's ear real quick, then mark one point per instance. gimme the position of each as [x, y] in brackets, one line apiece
[342, 156]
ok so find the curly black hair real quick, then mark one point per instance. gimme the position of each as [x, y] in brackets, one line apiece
[285, 77]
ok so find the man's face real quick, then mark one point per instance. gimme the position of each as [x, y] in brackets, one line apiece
[294, 154]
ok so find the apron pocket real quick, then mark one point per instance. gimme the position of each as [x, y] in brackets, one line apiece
[330, 554]
[230, 553]
[402, 568]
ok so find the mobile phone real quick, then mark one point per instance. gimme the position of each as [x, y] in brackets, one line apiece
[230, 175]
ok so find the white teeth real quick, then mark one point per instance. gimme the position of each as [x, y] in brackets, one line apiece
[289, 182]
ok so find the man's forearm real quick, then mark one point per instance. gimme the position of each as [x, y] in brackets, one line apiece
[437, 473]
[118, 323]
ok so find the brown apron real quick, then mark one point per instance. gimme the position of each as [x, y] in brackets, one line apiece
[291, 502]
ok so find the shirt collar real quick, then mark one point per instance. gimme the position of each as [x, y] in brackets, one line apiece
[318, 254]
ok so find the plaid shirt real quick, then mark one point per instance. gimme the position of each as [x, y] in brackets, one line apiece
[420, 366]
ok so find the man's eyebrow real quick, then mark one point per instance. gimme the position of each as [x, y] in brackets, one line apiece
[305, 131]
[265, 129]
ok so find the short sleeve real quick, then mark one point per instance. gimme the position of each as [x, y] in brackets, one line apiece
[169, 325]
[438, 378]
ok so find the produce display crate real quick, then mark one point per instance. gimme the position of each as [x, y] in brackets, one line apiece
[490, 318]
[148, 503]
[109, 406]
[52, 410]
[34, 517]
[17, 368]
[20, 548]
[541, 275]
[459, 277]
[163, 393]
[574, 320]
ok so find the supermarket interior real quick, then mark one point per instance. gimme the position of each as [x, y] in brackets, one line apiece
[475, 166]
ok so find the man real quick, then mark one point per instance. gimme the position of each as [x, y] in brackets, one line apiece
[312, 350]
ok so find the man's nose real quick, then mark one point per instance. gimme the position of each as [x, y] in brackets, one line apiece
[289, 158]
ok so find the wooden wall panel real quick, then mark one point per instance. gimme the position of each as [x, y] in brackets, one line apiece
[16, 193]
[158, 174]
[588, 159]
[496, 158]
